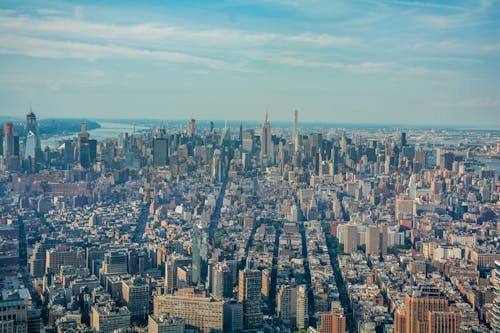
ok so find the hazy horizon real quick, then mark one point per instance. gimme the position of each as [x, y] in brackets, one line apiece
[384, 62]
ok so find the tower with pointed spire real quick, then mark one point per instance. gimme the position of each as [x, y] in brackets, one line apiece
[266, 148]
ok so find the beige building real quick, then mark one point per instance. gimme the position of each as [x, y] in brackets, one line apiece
[350, 238]
[63, 256]
[198, 311]
[135, 293]
[165, 324]
[108, 317]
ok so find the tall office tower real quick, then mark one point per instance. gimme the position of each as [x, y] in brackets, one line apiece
[222, 281]
[384, 239]
[286, 303]
[10, 148]
[165, 324]
[192, 127]
[350, 238]
[68, 153]
[199, 255]
[426, 310]
[447, 161]
[240, 137]
[233, 317]
[495, 310]
[295, 139]
[372, 239]
[248, 140]
[421, 158]
[136, 295]
[266, 143]
[217, 166]
[403, 142]
[1, 141]
[83, 147]
[202, 313]
[335, 157]
[29, 150]
[160, 151]
[266, 283]
[32, 126]
[249, 293]
[334, 321]
[302, 307]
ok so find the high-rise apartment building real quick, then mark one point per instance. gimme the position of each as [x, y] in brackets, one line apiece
[302, 320]
[350, 238]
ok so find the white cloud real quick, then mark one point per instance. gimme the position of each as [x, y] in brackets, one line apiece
[161, 34]
[45, 11]
[359, 68]
[54, 86]
[36, 47]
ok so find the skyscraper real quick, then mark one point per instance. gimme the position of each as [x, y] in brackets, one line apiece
[249, 293]
[302, 307]
[222, 281]
[295, 135]
[10, 141]
[350, 238]
[266, 143]
[83, 147]
[199, 254]
[372, 239]
[160, 151]
[32, 128]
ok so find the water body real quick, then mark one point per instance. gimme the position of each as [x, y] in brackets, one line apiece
[107, 130]
[491, 163]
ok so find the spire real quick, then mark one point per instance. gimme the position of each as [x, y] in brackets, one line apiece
[84, 126]
[266, 121]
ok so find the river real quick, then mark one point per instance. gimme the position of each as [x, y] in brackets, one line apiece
[107, 130]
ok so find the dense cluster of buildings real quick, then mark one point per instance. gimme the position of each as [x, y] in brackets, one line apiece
[258, 229]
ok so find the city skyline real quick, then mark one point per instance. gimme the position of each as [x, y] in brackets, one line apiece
[387, 62]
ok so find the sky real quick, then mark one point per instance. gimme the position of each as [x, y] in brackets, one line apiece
[367, 61]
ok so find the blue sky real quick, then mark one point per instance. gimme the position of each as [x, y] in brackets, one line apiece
[372, 61]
